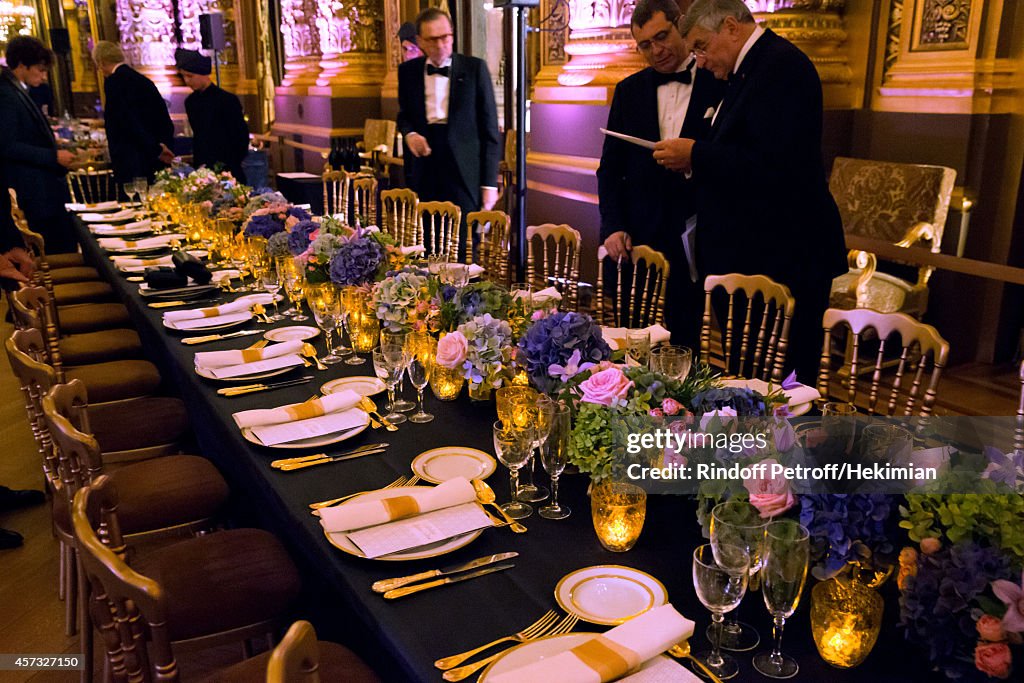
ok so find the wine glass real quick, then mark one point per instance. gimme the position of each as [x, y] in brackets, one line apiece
[518, 404]
[141, 187]
[720, 589]
[129, 191]
[394, 360]
[292, 279]
[786, 556]
[673, 361]
[737, 523]
[271, 281]
[512, 446]
[401, 338]
[638, 347]
[362, 325]
[421, 364]
[553, 451]
[326, 308]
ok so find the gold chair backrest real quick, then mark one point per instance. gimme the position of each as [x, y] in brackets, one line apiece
[399, 217]
[336, 189]
[639, 302]
[440, 224]
[16, 213]
[26, 352]
[919, 343]
[377, 132]
[33, 308]
[89, 186]
[763, 339]
[296, 659]
[65, 410]
[495, 249]
[36, 246]
[364, 200]
[556, 261]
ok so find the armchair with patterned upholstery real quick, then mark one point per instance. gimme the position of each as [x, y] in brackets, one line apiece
[900, 203]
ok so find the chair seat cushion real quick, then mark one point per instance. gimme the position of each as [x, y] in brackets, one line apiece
[222, 581]
[337, 663]
[69, 260]
[100, 346]
[62, 276]
[117, 380]
[885, 293]
[82, 293]
[139, 423]
[91, 317]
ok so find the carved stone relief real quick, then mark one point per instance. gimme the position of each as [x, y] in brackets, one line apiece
[147, 37]
[943, 24]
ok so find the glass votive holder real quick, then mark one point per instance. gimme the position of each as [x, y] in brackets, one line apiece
[446, 383]
[618, 511]
[846, 617]
[505, 397]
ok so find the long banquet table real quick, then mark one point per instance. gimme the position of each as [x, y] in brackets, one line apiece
[408, 634]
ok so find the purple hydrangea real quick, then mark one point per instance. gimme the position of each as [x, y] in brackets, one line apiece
[298, 238]
[745, 402]
[296, 212]
[552, 341]
[448, 292]
[356, 262]
[263, 226]
[848, 528]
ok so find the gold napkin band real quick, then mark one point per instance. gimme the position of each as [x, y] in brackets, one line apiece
[401, 507]
[305, 411]
[211, 312]
[151, 262]
[606, 658]
[129, 244]
[251, 355]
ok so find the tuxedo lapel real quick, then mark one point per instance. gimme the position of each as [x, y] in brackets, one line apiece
[650, 127]
[33, 109]
[738, 81]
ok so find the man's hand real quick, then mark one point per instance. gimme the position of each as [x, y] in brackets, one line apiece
[9, 271]
[675, 154]
[417, 144]
[22, 260]
[65, 158]
[618, 244]
[166, 155]
[488, 198]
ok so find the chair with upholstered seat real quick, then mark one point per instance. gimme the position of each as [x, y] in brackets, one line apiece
[82, 286]
[899, 203]
[336, 189]
[364, 200]
[495, 249]
[553, 259]
[221, 588]
[921, 350]
[440, 227]
[755, 337]
[638, 296]
[399, 218]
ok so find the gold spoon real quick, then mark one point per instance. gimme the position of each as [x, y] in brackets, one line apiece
[260, 312]
[485, 494]
[309, 352]
[682, 651]
[367, 404]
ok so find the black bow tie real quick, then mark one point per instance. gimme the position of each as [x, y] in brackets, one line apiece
[684, 76]
[439, 70]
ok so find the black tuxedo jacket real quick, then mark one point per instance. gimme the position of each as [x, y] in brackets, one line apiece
[472, 117]
[28, 154]
[763, 199]
[636, 194]
[137, 122]
[220, 133]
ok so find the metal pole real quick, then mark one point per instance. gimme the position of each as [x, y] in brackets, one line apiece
[520, 217]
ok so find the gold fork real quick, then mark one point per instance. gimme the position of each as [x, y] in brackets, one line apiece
[566, 625]
[401, 481]
[532, 631]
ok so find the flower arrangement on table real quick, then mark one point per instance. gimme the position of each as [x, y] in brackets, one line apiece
[487, 354]
[274, 218]
[557, 347]
[261, 198]
[171, 180]
[401, 300]
[454, 306]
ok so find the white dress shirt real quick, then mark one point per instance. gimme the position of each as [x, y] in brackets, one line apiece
[435, 89]
[673, 101]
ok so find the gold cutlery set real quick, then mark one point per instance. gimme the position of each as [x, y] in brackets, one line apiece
[253, 388]
[289, 464]
[398, 587]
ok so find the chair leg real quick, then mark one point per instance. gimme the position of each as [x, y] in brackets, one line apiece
[71, 594]
[62, 571]
[85, 626]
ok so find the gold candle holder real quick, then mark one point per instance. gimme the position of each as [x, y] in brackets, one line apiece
[363, 331]
[446, 383]
[618, 511]
[514, 403]
[846, 617]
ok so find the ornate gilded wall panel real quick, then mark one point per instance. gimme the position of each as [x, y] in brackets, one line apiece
[942, 25]
[147, 37]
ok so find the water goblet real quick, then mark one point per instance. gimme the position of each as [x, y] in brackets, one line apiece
[271, 281]
[786, 556]
[554, 451]
[737, 523]
[141, 187]
[394, 360]
[421, 364]
[513, 446]
[400, 337]
[638, 347]
[326, 309]
[674, 361]
[720, 588]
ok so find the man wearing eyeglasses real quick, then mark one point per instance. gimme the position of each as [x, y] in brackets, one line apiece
[450, 123]
[642, 202]
[763, 201]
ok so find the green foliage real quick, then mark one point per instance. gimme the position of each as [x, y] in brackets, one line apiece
[988, 518]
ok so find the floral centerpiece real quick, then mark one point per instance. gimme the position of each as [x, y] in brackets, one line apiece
[274, 218]
[555, 348]
[317, 258]
[261, 198]
[487, 342]
[360, 260]
[454, 306]
[849, 529]
[171, 180]
[401, 300]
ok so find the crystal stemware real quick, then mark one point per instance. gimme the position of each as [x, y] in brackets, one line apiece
[554, 451]
[402, 339]
[421, 364]
[720, 588]
[326, 308]
[394, 360]
[638, 347]
[271, 281]
[786, 556]
[737, 523]
[512, 446]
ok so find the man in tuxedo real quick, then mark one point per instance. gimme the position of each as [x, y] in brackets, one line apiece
[642, 202]
[139, 129]
[447, 114]
[29, 159]
[763, 199]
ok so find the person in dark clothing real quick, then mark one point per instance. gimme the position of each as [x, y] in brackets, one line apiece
[139, 129]
[219, 132]
[42, 95]
[30, 162]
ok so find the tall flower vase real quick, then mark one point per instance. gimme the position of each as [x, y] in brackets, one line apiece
[846, 616]
[480, 392]
[618, 511]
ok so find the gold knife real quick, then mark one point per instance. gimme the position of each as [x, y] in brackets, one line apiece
[305, 458]
[323, 461]
[390, 584]
[409, 590]
[168, 304]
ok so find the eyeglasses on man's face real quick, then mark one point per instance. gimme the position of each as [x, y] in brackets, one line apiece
[661, 39]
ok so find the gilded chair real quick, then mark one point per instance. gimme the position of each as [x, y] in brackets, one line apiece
[1018, 432]
[553, 258]
[217, 589]
[399, 217]
[71, 259]
[922, 352]
[378, 141]
[89, 186]
[495, 249]
[336, 190]
[82, 286]
[440, 224]
[755, 340]
[364, 200]
[905, 204]
[638, 296]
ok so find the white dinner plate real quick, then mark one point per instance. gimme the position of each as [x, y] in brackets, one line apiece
[206, 373]
[292, 333]
[549, 646]
[340, 540]
[237, 320]
[313, 442]
[438, 465]
[609, 594]
[364, 386]
[121, 232]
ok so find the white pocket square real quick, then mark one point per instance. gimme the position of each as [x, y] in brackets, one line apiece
[710, 113]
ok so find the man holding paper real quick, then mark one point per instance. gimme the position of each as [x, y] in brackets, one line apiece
[640, 201]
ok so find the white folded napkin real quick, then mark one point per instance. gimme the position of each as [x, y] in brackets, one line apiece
[206, 323]
[616, 336]
[211, 312]
[358, 515]
[221, 359]
[106, 217]
[332, 403]
[107, 228]
[149, 242]
[611, 655]
[414, 249]
[123, 262]
[102, 206]
[796, 396]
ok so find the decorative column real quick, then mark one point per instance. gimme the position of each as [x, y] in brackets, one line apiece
[355, 28]
[301, 45]
[147, 37]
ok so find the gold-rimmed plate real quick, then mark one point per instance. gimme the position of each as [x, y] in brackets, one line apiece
[364, 386]
[438, 465]
[226, 322]
[292, 333]
[340, 540]
[609, 594]
[313, 442]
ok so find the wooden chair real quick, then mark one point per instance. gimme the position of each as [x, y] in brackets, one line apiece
[556, 261]
[440, 224]
[764, 337]
[377, 144]
[81, 285]
[1018, 432]
[364, 200]
[639, 302]
[211, 590]
[911, 209]
[89, 186]
[919, 343]
[495, 249]
[336, 189]
[56, 260]
[399, 216]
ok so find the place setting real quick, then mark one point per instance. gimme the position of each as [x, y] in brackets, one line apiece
[250, 364]
[117, 245]
[315, 423]
[210, 319]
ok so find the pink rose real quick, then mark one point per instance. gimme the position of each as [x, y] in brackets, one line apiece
[993, 659]
[930, 546]
[671, 406]
[606, 387]
[656, 412]
[991, 629]
[451, 350]
[770, 495]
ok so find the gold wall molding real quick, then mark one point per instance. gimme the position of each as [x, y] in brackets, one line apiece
[281, 128]
[563, 192]
[565, 163]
